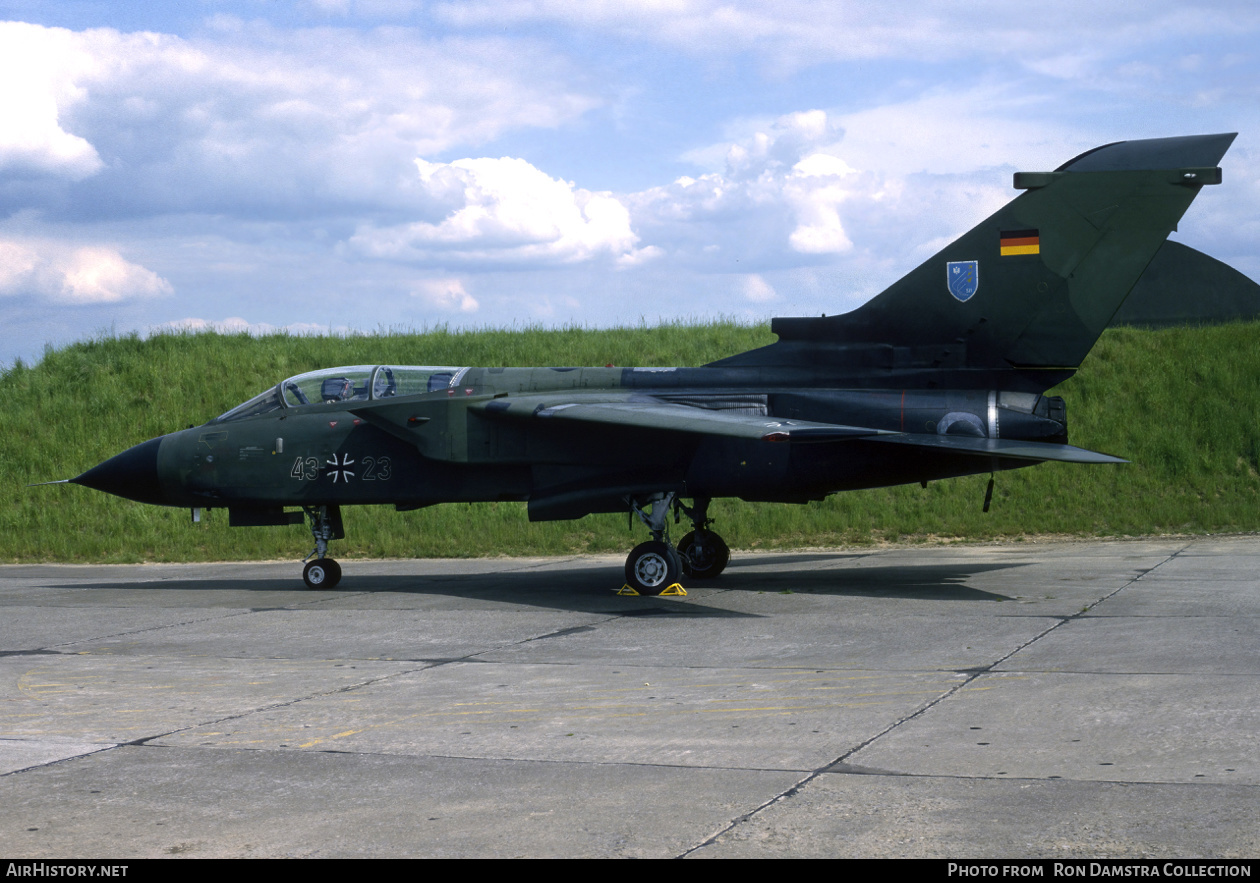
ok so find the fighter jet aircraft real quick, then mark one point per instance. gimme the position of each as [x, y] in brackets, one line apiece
[941, 375]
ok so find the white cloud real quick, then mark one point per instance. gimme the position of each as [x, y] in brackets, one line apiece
[377, 9]
[446, 294]
[870, 194]
[505, 211]
[17, 266]
[821, 165]
[38, 72]
[62, 273]
[758, 290]
[100, 275]
[815, 189]
[955, 131]
[781, 191]
[251, 120]
[790, 34]
[639, 256]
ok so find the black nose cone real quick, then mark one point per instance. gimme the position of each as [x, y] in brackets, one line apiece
[132, 474]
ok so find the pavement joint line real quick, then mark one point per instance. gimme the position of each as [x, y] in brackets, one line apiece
[345, 688]
[739, 820]
[973, 673]
[156, 628]
[969, 675]
[638, 764]
[143, 741]
[55, 761]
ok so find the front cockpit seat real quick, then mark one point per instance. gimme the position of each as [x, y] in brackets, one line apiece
[336, 389]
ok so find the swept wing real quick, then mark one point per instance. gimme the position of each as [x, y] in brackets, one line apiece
[644, 412]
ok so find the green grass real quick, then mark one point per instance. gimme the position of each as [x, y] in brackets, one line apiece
[1180, 403]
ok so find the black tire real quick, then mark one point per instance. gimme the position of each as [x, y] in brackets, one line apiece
[322, 573]
[704, 554]
[652, 567]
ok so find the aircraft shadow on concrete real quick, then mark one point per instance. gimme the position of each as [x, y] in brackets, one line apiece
[593, 589]
[937, 582]
[581, 590]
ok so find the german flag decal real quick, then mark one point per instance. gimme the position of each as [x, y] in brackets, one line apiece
[1020, 242]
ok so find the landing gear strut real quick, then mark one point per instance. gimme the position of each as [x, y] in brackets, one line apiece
[322, 572]
[654, 566]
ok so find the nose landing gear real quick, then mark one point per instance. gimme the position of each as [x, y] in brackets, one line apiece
[322, 572]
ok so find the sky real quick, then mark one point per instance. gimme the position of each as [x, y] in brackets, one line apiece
[372, 165]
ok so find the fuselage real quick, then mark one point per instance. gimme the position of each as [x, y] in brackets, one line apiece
[428, 435]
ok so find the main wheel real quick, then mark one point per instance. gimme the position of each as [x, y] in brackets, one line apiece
[652, 567]
[704, 554]
[322, 573]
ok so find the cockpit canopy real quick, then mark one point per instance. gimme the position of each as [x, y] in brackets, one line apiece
[346, 384]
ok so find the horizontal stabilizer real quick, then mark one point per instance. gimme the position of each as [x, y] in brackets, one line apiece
[1001, 447]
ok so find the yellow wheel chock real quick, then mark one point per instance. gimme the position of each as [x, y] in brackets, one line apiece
[674, 589]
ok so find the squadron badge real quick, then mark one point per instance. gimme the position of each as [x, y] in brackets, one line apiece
[963, 278]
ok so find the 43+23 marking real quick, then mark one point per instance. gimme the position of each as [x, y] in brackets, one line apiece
[343, 468]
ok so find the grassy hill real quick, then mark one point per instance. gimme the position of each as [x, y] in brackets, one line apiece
[1182, 404]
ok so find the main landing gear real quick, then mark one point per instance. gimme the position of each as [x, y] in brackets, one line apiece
[321, 572]
[651, 567]
[655, 565]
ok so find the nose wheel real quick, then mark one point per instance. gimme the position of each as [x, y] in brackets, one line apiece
[322, 573]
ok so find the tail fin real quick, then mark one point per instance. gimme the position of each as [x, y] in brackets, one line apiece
[1023, 296]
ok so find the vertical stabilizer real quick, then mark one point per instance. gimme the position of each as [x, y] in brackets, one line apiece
[1030, 288]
